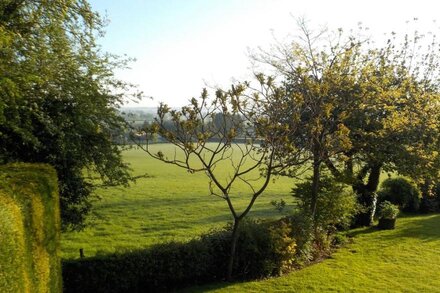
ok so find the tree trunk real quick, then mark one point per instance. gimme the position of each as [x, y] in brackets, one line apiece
[315, 187]
[367, 198]
[234, 239]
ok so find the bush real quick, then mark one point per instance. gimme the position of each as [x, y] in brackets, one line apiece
[339, 240]
[29, 229]
[430, 201]
[312, 241]
[302, 231]
[336, 206]
[387, 210]
[401, 192]
[263, 249]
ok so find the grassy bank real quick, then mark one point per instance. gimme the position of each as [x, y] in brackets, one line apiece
[401, 260]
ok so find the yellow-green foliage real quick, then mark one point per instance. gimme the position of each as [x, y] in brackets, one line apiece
[29, 229]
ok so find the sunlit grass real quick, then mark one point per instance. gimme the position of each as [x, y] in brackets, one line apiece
[171, 204]
[403, 260]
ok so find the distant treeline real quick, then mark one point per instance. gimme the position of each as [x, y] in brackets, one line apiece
[138, 120]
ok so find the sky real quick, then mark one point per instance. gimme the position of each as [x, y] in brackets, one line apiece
[182, 46]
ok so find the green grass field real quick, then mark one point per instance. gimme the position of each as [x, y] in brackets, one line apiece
[171, 204]
[406, 259]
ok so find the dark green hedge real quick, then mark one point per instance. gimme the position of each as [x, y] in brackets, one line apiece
[160, 268]
[431, 200]
[29, 229]
[264, 249]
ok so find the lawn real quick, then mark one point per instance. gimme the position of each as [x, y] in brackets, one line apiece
[171, 204]
[403, 260]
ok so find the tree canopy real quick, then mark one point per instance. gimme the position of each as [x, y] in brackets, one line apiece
[363, 108]
[59, 97]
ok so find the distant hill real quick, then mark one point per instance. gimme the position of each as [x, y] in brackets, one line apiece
[148, 110]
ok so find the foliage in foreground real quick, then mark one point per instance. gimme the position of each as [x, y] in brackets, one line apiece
[401, 192]
[29, 229]
[387, 210]
[264, 249]
[336, 205]
[58, 97]
[361, 107]
[402, 260]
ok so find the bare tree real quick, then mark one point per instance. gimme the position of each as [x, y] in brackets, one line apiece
[233, 130]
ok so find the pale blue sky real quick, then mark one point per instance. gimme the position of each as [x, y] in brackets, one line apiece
[181, 45]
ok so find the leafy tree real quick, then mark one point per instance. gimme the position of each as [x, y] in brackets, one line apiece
[59, 97]
[233, 132]
[363, 109]
[396, 129]
[321, 91]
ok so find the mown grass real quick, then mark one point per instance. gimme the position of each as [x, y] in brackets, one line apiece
[406, 259]
[171, 204]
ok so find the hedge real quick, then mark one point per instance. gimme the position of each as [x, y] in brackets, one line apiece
[264, 249]
[29, 229]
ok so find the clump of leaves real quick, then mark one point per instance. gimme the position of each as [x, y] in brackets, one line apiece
[336, 205]
[401, 192]
[387, 210]
[278, 205]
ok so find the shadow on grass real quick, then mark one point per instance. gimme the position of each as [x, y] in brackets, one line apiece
[362, 231]
[260, 213]
[152, 202]
[425, 227]
[421, 227]
[207, 288]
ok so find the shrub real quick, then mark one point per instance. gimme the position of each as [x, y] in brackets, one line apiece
[387, 215]
[387, 210]
[263, 249]
[29, 229]
[336, 205]
[302, 231]
[339, 240]
[401, 192]
[312, 241]
[430, 201]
